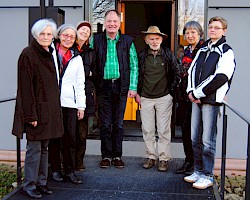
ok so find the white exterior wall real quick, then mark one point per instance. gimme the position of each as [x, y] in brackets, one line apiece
[14, 15]
[237, 13]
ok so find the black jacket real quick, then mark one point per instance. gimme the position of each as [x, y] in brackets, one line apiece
[170, 63]
[89, 61]
[123, 47]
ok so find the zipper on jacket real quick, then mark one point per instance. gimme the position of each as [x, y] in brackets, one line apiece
[74, 94]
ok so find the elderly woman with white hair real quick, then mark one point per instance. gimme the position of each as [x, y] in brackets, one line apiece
[72, 89]
[38, 110]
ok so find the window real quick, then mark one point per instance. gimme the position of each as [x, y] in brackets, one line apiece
[189, 10]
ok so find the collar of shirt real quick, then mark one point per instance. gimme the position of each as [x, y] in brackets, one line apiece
[150, 51]
[210, 44]
[116, 37]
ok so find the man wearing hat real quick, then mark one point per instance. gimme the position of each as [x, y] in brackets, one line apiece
[158, 78]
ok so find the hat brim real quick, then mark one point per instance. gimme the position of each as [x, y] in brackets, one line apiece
[161, 34]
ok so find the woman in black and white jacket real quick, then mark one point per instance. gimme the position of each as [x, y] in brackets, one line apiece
[210, 76]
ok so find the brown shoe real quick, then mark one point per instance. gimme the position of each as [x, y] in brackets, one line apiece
[163, 166]
[105, 163]
[149, 164]
[117, 162]
[80, 168]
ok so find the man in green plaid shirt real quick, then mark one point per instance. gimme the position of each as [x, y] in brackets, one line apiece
[116, 80]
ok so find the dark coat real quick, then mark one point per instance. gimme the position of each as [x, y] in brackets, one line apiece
[38, 96]
[122, 47]
[89, 61]
[170, 63]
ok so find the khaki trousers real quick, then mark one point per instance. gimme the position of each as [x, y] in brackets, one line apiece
[156, 117]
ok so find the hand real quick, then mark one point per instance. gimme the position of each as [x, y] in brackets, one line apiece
[192, 99]
[80, 114]
[131, 93]
[138, 99]
[34, 123]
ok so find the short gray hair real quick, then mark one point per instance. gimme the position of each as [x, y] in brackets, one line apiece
[63, 27]
[40, 25]
[195, 25]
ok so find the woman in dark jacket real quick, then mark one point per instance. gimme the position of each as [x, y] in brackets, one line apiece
[88, 57]
[193, 33]
[38, 111]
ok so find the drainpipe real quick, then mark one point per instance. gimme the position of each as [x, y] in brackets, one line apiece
[42, 8]
[51, 3]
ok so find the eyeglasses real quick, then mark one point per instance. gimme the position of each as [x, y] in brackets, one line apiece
[66, 36]
[214, 27]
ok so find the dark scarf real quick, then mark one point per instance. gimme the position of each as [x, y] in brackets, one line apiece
[189, 56]
[186, 62]
[84, 48]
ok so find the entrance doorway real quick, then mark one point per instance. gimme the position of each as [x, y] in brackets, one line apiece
[138, 16]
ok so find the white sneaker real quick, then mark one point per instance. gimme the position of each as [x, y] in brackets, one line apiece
[203, 183]
[192, 178]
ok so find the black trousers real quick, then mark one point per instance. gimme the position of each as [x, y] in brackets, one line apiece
[55, 145]
[111, 108]
[69, 139]
[81, 140]
[186, 108]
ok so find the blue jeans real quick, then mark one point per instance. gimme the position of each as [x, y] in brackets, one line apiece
[111, 108]
[203, 134]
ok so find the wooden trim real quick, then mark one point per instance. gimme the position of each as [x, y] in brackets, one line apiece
[173, 25]
[233, 166]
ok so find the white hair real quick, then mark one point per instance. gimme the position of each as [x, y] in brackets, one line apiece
[40, 25]
[63, 27]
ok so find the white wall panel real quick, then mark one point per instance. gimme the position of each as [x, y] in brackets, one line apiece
[238, 38]
[13, 38]
[229, 3]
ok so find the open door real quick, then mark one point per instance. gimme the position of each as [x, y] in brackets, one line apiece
[137, 16]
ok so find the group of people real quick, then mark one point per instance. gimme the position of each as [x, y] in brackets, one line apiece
[61, 72]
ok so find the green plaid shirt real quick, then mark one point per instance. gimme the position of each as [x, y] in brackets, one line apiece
[111, 69]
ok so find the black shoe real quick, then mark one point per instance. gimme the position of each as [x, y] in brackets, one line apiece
[189, 170]
[44, 189]
[33, 193]
[184, 168]
[57, 176]
[73, 178]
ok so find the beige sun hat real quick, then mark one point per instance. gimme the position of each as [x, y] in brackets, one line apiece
[154, 30]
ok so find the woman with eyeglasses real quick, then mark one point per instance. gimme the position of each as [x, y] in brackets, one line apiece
[72, 90]
[38, 110]
[209, 79]
[193, 34]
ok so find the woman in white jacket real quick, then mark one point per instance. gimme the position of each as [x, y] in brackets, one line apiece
[72, 88]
